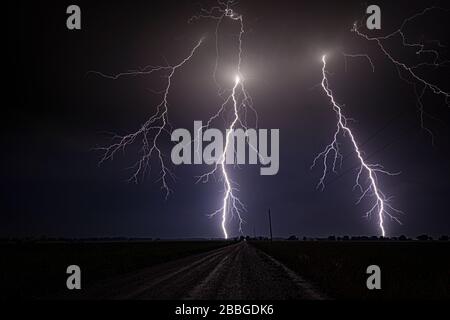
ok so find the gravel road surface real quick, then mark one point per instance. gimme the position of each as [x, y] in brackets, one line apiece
[238, 272]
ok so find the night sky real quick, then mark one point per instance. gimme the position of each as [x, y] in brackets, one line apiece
[57, 113]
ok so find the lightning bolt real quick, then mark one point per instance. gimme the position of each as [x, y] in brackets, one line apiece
[150, 132]
[411, 73]
[381, 203]
[231, 204]
[158, 123]
[229, 190]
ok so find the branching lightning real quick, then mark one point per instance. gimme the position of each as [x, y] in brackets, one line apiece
[381, 203]
[231, 204]
[150, 132]
[158, 123]
[411, 73]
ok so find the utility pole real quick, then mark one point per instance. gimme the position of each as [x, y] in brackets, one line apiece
[270, 225]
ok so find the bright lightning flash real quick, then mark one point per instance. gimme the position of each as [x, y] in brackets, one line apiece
[241, 103]
[228, 191]
[158, 123]
[381, 204]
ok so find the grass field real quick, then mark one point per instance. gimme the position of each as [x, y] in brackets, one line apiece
[409, 269]
[36, 270]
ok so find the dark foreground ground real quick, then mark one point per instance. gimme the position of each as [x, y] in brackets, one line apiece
[227, 270]
[409, 269]
[37, 270]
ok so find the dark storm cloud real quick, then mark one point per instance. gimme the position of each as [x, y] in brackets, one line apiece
[51, 181]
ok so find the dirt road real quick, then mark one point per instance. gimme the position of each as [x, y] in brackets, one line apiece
[238, 271]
